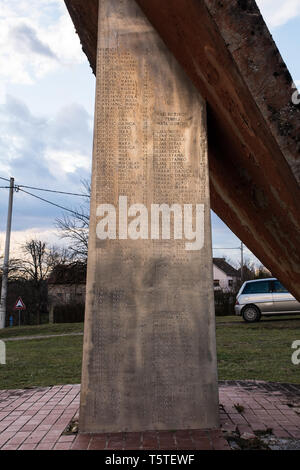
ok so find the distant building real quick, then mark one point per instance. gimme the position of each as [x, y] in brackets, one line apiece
[66, 284]
[226, 276]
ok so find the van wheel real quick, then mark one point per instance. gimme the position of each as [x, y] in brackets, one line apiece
[251, 314]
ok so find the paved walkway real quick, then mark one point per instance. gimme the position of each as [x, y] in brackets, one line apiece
[253, 407]
[37, 418]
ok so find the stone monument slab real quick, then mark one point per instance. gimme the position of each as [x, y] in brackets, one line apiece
[149, 357]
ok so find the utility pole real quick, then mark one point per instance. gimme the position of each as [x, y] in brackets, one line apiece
[6, 255]
[242, 261]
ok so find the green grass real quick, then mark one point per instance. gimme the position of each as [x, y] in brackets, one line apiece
[57, 328]
[259, 351]
[42, 362]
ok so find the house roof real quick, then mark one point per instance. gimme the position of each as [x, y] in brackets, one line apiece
[253, 125]
[225, 267]
[73, 273]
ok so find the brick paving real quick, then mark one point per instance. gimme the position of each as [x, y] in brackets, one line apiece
[37, 418]
[265, 406]
[153, 440]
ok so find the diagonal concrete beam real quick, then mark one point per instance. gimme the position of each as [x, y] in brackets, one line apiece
[254, 145]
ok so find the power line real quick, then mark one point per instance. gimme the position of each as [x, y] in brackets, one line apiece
[226, 248]
[54, 204]
[52, 191]
[47, 190]
[231, 248]
[19, 188]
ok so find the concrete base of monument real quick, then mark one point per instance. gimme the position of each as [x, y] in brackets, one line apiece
[211, 439]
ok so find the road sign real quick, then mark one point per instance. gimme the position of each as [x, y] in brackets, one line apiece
[19, 305]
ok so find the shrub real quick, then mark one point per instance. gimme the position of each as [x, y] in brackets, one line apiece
[224, 303]
[68, 313]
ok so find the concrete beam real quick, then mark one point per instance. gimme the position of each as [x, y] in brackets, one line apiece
[254, 145]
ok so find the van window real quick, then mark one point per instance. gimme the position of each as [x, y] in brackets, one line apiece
[261, 287]
[278, 287]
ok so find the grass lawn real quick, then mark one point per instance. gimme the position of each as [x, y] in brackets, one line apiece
[260, 351]
[56, 328]
[41, 362]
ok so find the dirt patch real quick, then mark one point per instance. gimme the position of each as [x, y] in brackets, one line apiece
[72, 427]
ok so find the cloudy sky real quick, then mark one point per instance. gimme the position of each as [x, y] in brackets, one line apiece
[46, 110]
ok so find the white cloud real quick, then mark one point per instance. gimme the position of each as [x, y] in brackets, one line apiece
[66, 162]
[64, 41]
[279, 12]
[39, 148]
[55, 149]
[25, 40]
[19, 238]
[36, 37]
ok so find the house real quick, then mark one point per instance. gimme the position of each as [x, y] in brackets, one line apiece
[226, 276]
[66, 284]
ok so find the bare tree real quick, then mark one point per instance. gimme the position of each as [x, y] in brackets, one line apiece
[13, 269]
[35, 266]
[249, 269]
[75, 228]
[38, 260]
[263, 272]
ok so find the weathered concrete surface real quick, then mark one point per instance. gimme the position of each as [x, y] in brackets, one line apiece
[254, 147]
[149, 346]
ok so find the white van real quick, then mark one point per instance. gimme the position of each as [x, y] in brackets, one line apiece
[264, 297]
